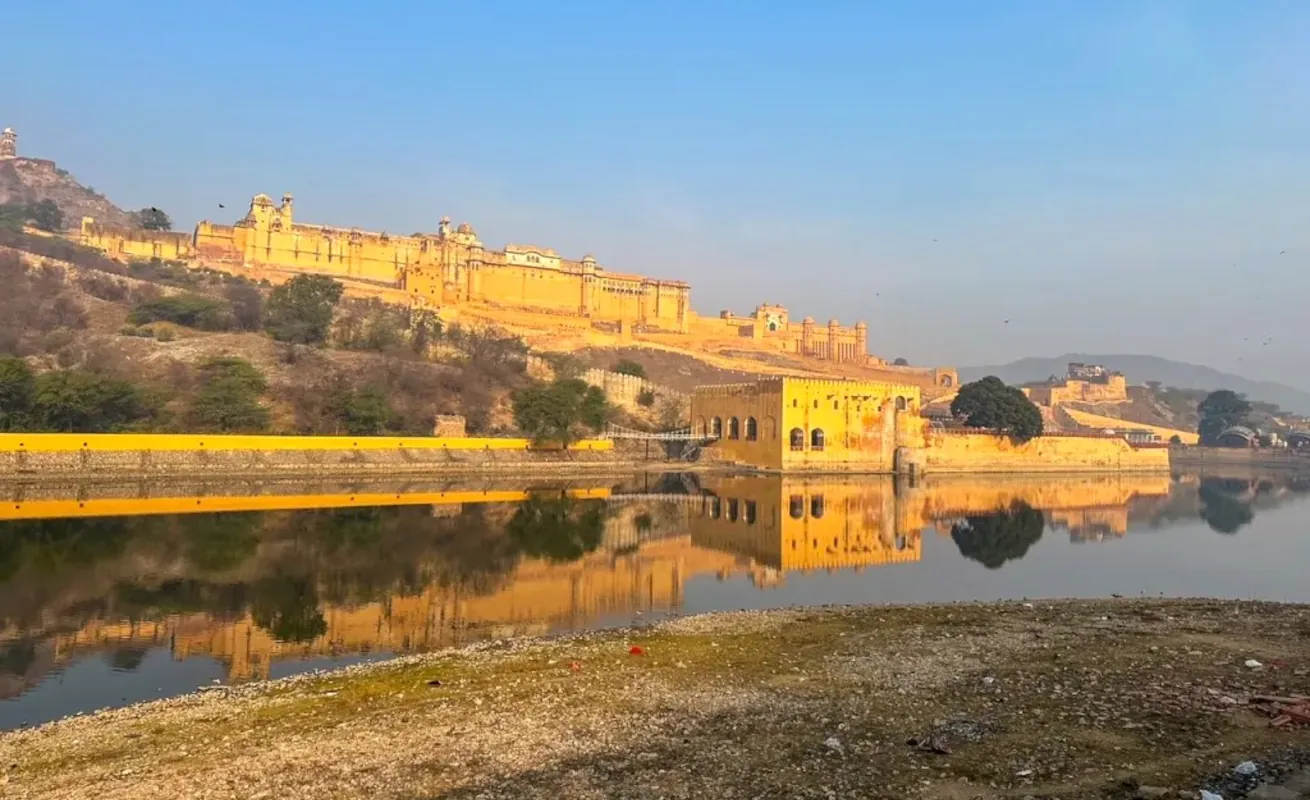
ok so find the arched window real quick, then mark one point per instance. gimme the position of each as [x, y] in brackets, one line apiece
[732, 509]
[796, 507]
[748, 509]
[900, 403]
[816, 439]
[702, 426]
[816, 506]
[900, 542]
[797, 439]
[752, 429]
[734, 428]
[946, 381]
[716, 508]
[716, 427]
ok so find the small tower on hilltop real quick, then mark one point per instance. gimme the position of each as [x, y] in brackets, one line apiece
[8, 144]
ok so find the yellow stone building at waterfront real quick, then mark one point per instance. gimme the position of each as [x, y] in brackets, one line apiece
[804, 424]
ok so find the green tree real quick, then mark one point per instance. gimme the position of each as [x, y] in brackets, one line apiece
[629, 367]
[645, 398]
[73, 401]
[301, 309]
[561, 411]
[190, 310]
[425, 328]
[17, 386]
[45, 215]
[557, 528]
[363, 412]
[228, 398]
[153, 219]
[217, 542]
[901, 362]
[1220, 410]
[993, 539]
[989, 403]
[13, 216]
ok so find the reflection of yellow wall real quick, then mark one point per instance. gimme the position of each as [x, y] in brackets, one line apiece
[538, 596]
[763, 525]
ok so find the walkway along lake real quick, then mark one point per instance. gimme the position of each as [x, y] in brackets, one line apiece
[115, 594]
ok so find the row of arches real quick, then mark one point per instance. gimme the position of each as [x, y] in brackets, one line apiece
[748, 429]
[731, 509]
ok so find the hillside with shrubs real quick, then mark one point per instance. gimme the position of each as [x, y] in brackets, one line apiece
[90, 344]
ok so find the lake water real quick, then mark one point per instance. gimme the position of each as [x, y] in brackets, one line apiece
[115, 594]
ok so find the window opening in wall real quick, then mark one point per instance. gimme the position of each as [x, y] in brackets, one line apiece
[834, 405]
[716, 427]
[748, 511]
[734, 428]
[816, 506]
[796, 507]
[900, 403]
[795, 402]
[900, 542]
[752, 429]
[816, 403]
[732, 510]
[797, 439]
[716, 508]
[816, 439]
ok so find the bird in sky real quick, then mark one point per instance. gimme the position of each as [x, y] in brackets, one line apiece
[220, 205]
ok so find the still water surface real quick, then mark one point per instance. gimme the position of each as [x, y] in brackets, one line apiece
[110, 596]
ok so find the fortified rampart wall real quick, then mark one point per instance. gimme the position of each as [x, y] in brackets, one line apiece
[170, 455]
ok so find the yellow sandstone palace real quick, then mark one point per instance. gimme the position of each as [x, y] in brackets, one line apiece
[448, 267]
[451, 268]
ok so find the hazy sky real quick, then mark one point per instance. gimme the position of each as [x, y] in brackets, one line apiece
[1109, 176]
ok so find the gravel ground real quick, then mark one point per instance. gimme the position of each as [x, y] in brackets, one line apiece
[1070, 699]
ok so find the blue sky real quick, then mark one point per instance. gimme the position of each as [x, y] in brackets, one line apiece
[1109, 176]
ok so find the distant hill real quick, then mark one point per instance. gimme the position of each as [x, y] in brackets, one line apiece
[29, 180]
[1140, 369]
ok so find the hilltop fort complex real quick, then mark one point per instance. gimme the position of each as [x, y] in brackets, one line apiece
[453, 271]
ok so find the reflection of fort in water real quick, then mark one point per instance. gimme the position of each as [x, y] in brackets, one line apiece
[760, 527]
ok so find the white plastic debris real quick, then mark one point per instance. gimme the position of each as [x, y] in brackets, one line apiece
[1251, 663]
[1210, 795]
[988, 681]
[1246, 768]
[1023, 773]
[833, 744]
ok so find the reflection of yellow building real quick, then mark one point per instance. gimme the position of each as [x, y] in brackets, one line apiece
[539, 596]
[788, 524]
[765, 526]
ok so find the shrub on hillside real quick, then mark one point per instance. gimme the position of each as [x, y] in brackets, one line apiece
[645, 398]
[301, 309]
[103, 287]
[629, 367]
[75, 401]
[228, 398]
[189, 310]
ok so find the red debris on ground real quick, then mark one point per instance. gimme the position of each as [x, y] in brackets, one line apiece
[636, 651]
[575, 666]
[1284, 711]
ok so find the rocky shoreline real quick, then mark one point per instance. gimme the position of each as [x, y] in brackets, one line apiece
[1063, 699]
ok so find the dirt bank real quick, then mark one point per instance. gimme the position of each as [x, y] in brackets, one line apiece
[1065, 699]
